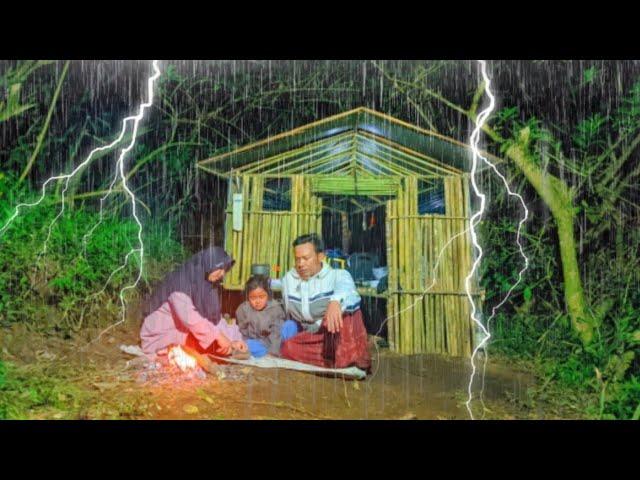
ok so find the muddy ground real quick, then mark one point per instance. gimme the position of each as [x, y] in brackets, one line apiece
[105, 386]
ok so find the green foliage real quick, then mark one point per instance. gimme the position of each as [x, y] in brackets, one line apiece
[532, 324]
[628, 115]
[588, 133]
[25, 390]
[12, 82]
[589, 75]
[66, 288]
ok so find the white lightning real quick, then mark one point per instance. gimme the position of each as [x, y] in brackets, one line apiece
[419, 299]
[119, 172]
[475, 137]
[120, 166]
[480, 120]
[67, 177]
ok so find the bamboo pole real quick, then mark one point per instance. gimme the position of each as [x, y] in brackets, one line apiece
[450, 262]
[285, 241]
[397, 259]
[391, 251]
[247, 229]
[468, 262]
[418, 274]
[406, 260]
[273, 138]
[306, 151]
[255, 222]
[412, 155]
[413, 251]
[401, 266]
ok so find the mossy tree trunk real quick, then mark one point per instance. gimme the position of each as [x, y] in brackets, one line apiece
[558, 197]
[554, 192]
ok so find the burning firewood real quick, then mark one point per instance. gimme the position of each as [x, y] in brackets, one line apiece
[186, 357]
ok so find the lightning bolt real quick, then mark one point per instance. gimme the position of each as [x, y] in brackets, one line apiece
[119, 172]
[120, 167]
[475, 137]
[419, 299]
[475, 219]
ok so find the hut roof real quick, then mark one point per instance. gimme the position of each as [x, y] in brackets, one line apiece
[360, 141]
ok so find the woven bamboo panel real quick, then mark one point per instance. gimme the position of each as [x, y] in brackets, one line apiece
[266, 236]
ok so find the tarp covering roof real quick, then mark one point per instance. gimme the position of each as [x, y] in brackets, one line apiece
[373, 142]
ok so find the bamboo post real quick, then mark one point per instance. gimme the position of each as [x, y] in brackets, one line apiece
[401, 267]
[392, 263]
[451, 321]
[406, 240]
[468, 262]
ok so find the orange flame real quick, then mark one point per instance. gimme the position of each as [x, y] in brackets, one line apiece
[181, 359]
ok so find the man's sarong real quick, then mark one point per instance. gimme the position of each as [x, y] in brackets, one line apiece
[332, 350]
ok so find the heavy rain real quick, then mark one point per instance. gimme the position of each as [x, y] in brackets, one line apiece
[132, 275]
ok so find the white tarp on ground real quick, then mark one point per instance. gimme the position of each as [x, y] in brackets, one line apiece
[274, 362]
[269, 362]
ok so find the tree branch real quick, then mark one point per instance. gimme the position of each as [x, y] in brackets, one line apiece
[45, 127]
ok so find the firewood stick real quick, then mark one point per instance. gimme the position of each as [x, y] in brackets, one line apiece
[203, 361]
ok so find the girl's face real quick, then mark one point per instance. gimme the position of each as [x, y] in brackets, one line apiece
[258, 298]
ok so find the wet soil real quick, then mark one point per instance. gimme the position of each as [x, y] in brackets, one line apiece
[400, 386]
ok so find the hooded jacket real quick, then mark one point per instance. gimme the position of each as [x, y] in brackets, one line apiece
[191, 279]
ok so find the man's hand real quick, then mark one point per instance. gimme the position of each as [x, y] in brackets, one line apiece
[333, 317]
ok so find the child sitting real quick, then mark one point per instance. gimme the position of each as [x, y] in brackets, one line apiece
[260, 317]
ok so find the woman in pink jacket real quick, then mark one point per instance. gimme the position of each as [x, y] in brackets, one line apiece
[184, 309]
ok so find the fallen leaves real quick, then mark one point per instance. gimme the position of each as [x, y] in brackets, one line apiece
[205, 397]
[190, 409]
[409, 416]
[102, 386]
[45, 355]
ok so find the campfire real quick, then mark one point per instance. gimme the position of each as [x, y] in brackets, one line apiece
[181, 359]
[183, 365]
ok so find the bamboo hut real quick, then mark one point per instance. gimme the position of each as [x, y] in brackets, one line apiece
[384, 163]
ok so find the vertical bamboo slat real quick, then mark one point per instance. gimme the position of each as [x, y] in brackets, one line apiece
[392, 251]
[434, 322]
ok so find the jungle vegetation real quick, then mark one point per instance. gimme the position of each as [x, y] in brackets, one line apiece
[567, 134]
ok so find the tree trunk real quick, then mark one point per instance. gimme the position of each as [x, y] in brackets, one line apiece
[45, 127]
[559, 199]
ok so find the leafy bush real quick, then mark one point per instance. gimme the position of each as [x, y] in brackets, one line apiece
[533, 325]
[73, 283]
[24, 389]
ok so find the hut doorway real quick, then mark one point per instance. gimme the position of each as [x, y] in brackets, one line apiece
[354, 232]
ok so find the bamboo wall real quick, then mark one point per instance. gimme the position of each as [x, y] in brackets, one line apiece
[439, 321]
[436, 322]
[266, 236]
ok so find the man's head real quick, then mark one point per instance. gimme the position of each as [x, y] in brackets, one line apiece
[309, 253]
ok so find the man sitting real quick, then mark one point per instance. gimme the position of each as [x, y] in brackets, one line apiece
[323, 305]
